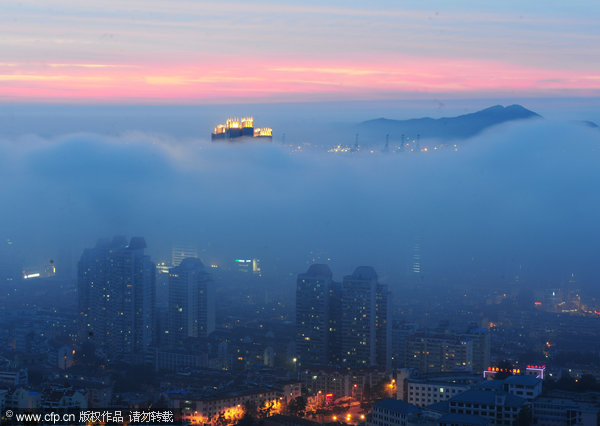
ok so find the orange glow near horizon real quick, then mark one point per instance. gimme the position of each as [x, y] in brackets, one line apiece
[261, 80]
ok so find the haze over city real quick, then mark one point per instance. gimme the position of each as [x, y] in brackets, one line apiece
[300, 212]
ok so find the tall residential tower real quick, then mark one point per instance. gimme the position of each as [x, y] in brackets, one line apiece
[365, 324]
[313, 334]
[342, 324]
[116, 291]
[191, 301]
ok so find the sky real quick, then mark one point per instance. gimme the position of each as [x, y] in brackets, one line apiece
[197, 52]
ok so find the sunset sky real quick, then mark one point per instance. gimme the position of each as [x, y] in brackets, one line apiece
[188, 51]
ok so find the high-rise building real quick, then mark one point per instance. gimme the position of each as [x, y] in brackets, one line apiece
[191, 301]
[400, 334]
[342, 324]
[313, 331]
[335, 323]
[383, 327]
[182, 251]
[480, 338]
[116, 291]
[365, 336]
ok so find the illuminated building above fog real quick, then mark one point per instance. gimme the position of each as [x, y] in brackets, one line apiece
[242, 129]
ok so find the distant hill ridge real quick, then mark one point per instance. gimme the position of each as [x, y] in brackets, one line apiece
[446, 128]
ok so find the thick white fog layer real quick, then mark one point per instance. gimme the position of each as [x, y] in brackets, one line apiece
[519, 200]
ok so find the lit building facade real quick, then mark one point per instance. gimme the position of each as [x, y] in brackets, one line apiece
[229, 407]
[341, 382]
[240, 129]
[426, 392]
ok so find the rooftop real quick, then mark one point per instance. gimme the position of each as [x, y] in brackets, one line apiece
[476, 396]
[397, 406]
[522, 380]
[319, 269]
[462, 419]
[364, 273]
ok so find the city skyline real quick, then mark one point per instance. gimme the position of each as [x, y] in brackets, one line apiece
[341, 212]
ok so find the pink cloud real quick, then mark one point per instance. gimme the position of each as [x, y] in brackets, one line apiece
[242, 79]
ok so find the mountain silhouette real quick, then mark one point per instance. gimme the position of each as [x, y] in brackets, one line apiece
[446, 128]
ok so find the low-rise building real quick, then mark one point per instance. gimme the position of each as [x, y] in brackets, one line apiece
[392, 412]
[14, 377]
[453, 419]
[559, 411]
[527, 387]
[426, 392]
[226, 406]
[342, 382]
[63, 400]
[22, 399]
[497, 407]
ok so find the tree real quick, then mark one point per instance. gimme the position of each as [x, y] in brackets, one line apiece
[221, 420]
[587, 382]
[297, 406]
[247, 420]
[524, 416]
[250, 409]
[379, 391]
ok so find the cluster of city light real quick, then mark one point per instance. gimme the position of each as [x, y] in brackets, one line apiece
[391, 387]
[243, 123]
[348, 417]
[505, 370]
[398, 149]
[235, 123]
[340, 148]
[233, 414]
[263, 131]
